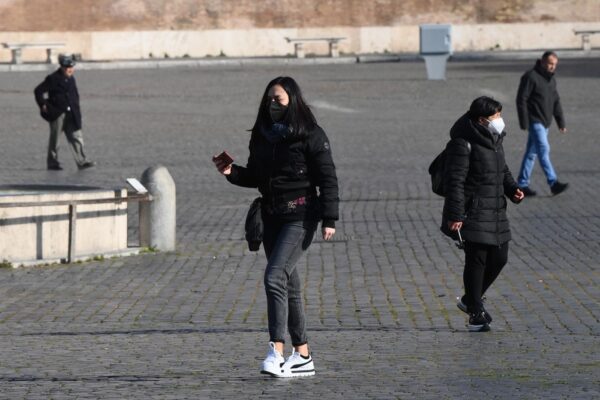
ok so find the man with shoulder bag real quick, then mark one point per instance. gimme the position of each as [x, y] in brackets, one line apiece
[58, 99]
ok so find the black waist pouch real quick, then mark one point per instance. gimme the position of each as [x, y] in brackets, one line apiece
[254, 225]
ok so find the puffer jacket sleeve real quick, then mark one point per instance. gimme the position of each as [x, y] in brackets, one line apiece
[455, 175]
[510, 186]
[322, 172]
[241, 176]
[244, 176]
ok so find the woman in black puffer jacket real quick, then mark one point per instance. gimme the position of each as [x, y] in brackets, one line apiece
[477, 182]
[290, 158]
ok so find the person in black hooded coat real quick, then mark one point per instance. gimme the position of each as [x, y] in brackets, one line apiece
[477, 182]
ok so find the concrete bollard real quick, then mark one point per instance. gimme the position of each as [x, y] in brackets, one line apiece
[157, 217]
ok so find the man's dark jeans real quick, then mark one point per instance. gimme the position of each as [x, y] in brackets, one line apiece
[284, 244]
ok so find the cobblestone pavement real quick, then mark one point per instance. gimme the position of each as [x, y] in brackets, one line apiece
[380, 298]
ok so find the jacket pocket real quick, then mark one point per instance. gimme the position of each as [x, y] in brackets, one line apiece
[472, 208]
[299, 166]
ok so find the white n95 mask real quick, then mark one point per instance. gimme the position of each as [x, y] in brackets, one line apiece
[497, 126]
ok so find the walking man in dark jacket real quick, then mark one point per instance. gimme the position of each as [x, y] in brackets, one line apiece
[537, 103]
[58, 99]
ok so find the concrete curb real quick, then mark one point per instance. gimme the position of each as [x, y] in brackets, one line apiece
[182, 63]
[480, 56]
[130, 251]
[521, 55]
[278, 61]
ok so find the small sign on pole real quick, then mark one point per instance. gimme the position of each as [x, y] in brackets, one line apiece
[137, 185]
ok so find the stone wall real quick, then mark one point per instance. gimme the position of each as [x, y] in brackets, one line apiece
[120, 45]
[115, 15]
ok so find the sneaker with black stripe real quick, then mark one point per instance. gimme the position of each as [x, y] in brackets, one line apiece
[297, 365]
[273, 362]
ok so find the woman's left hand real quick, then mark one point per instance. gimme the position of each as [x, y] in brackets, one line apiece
[328, 233]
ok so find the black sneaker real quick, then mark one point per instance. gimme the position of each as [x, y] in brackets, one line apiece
[528, 192]
[87, 164]
[462, 306]
[55, 167]
[558, 187]
[478, 322]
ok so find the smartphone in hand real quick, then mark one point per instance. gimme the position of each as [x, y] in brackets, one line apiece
[224, 158]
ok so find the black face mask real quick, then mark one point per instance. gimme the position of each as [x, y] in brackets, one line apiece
[277, 111]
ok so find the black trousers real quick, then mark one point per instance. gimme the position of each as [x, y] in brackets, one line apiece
[483, 263]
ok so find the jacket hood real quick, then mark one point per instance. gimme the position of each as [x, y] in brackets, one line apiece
[472, 132]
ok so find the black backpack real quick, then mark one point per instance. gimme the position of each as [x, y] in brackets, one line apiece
[436, 170]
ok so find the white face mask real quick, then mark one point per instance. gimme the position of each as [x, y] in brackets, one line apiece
[497, 126]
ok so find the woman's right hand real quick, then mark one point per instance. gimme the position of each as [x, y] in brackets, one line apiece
[454, 225]
[222, 166]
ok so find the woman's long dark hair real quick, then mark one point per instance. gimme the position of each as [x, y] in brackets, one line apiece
[298, 116]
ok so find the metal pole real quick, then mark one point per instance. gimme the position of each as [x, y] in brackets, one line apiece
[72, 231]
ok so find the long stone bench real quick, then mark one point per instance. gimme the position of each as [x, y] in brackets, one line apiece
[16, 49]
[585, 38]
[299, 44]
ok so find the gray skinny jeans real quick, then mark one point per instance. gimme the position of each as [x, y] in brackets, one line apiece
[284, 243]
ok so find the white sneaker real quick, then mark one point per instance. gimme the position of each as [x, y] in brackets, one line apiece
[296, 365]
[273, 364]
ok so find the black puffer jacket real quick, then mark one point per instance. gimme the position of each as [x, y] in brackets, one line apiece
[287, 175]
[477, 183]
[538, 99]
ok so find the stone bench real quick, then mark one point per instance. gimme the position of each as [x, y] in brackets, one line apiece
[585, 38]
[16, 49]
[299, 45]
